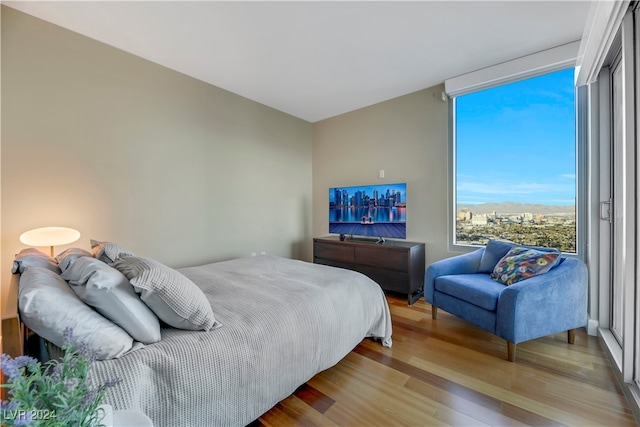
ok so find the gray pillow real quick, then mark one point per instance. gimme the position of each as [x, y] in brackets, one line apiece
[108, 252]
[176, 300]
[48, 306]
[32, 257]
[68, 256]
[111, 294]
[493, 252]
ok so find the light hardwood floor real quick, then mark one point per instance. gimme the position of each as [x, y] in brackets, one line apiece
[448, 372]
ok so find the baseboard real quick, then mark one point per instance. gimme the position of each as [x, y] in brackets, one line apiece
[633, 397]
[592, 327]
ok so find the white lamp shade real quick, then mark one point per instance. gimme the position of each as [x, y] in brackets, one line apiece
[49, 236]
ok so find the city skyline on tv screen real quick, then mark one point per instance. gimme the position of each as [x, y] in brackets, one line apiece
[378, 210]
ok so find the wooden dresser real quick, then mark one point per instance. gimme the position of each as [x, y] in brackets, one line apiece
[397, 266]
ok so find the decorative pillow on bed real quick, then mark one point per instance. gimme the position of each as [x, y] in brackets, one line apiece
[108, 252]
[521, 263]
[68, 256]
[32, 257]
[48, 305]
[176, 300]
[106, 289]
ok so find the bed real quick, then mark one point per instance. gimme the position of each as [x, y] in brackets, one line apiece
[278, 322]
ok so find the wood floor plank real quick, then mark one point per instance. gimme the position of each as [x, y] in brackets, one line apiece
[293, 411]
[357, 403]
[314, 398]
[531, 402]
[477, 413]
[462, 394]
[448, 372]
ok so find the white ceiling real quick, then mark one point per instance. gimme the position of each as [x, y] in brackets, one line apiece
[315, 60]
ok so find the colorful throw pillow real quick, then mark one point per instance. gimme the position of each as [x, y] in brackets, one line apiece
[522, 263]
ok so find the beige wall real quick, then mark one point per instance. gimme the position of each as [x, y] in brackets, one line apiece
[126, 150]
[408, 138]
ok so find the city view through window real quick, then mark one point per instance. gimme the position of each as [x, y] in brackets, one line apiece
[515, 162]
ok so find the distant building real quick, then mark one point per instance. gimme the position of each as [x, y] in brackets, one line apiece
[480, 220]
[464, 215]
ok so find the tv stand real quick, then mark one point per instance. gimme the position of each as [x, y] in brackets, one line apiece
[397, 266]
[350, 238]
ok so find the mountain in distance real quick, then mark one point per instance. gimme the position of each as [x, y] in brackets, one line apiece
[515, 208]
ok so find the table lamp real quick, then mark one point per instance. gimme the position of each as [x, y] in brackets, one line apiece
[49, 236]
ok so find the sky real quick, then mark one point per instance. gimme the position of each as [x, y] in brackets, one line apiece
[517, 142]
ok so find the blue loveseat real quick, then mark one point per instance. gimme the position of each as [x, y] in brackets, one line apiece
[545, 304]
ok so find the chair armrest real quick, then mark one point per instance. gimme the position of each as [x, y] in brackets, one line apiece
[459, 264]
[552, 302]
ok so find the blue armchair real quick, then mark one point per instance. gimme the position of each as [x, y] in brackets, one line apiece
[545, 304]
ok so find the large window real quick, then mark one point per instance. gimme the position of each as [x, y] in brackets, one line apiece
[515, 163]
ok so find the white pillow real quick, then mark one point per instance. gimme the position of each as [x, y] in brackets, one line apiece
[48, 306]
[68, 257]
[106, 289]
[176, 300]
[32, 257]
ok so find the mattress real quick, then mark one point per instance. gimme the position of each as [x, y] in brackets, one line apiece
[281, 322]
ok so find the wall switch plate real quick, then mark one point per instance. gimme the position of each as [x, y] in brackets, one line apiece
[381, 173]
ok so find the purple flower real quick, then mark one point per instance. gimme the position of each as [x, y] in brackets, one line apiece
[111, 383]
[23, 418]
[65, 377]
[11, 367]
[56, 373]
[87, 353]
[31, 363]
[67, 336]
[5, 405]
[89, 398]
[24, 360]
[70, 384]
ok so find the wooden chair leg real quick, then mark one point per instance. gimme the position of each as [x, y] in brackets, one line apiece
[571, 336]
[511, 351]
[434, 312]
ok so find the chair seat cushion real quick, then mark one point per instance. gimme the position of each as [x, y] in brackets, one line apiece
[477, 289]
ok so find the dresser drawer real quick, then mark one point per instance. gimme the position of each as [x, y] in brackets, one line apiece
[332, 263]
[396, 266]
[389, 280]
[396, 260]
[339, 253]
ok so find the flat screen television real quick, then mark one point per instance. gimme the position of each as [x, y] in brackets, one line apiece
[378, 210]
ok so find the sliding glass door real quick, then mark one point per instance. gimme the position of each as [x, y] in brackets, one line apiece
[617, 204]
[618, 320]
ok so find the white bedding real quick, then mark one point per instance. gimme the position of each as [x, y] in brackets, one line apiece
[282, 320]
